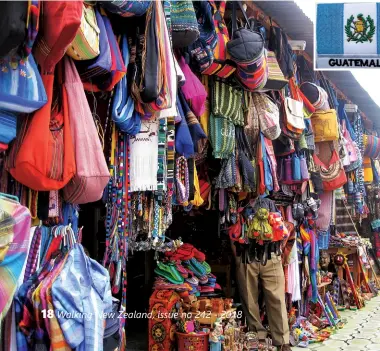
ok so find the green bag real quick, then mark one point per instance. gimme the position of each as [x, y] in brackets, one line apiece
[228, 103]
[222, 137]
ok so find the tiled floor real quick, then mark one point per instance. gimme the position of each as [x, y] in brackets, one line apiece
[361, 333]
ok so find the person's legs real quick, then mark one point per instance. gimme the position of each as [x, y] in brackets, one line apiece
[273, 283]
[247, 278]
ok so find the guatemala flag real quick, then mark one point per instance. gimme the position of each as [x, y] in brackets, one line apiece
[348, 29]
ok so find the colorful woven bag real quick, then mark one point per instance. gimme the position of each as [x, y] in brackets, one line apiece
[201, 51]
[123, 114]
[117, 70]
[92, 173]
[101, 65]
[268, 115]
[276, 79]
[222, 137]
[222, 66]
[227, 102]
[332, 173]
[85, 45]
[45, 163]
[21, 87]
[371, 146]
[184, 23]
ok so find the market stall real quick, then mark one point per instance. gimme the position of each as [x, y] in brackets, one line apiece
[179, 164]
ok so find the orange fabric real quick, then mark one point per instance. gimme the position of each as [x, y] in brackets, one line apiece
[41, 163]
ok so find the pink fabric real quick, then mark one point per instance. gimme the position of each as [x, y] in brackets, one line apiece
[193, 90]
[325, 211]
[92, 172]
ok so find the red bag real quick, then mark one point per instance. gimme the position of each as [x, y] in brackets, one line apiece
[59, 24]
[332, 173]
[45, 159]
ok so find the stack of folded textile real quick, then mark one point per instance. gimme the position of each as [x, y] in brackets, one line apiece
[186, 271]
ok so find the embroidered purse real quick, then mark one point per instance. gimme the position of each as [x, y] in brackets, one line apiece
[268, 115]
[85, 45]
[332, 174]
[325, 125]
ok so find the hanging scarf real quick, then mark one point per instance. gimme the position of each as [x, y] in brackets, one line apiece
[144, 157]
[183, 142]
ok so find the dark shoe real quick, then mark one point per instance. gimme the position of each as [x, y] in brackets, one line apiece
[285, 348]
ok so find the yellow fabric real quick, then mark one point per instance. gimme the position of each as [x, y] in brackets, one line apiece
[198, 201]
[368, 173]
[325, 125]
[205, 117]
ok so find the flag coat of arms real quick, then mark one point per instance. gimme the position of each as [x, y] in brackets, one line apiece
[348, 29]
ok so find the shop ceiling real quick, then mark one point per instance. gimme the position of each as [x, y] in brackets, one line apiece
[299, 27]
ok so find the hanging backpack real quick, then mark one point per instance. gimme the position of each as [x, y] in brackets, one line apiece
[92, 173]
[222, 66]
[201, 51]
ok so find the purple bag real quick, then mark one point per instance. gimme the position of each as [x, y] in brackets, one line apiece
[304, 170]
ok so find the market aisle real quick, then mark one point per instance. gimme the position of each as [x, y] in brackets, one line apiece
[362, 331]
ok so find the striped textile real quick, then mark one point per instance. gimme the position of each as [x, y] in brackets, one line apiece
[222, 137]
[14, 241]
[33, 255]
[219, 67]
[85, 45]
[227, 102]
[164, 99]
[57, 339]
[170, 154]
[32, 25]
[83, 286]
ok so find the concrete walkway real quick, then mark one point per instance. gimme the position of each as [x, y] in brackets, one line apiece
[361, 333]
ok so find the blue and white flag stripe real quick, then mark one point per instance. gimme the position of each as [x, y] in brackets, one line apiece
[348, 29]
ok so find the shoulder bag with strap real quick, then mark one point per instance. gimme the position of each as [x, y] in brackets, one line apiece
[92, 173]
[332, 173]
[325, 125]
[222, 66]
[48, 162]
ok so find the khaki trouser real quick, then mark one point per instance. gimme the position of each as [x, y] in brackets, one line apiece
[273, 284]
